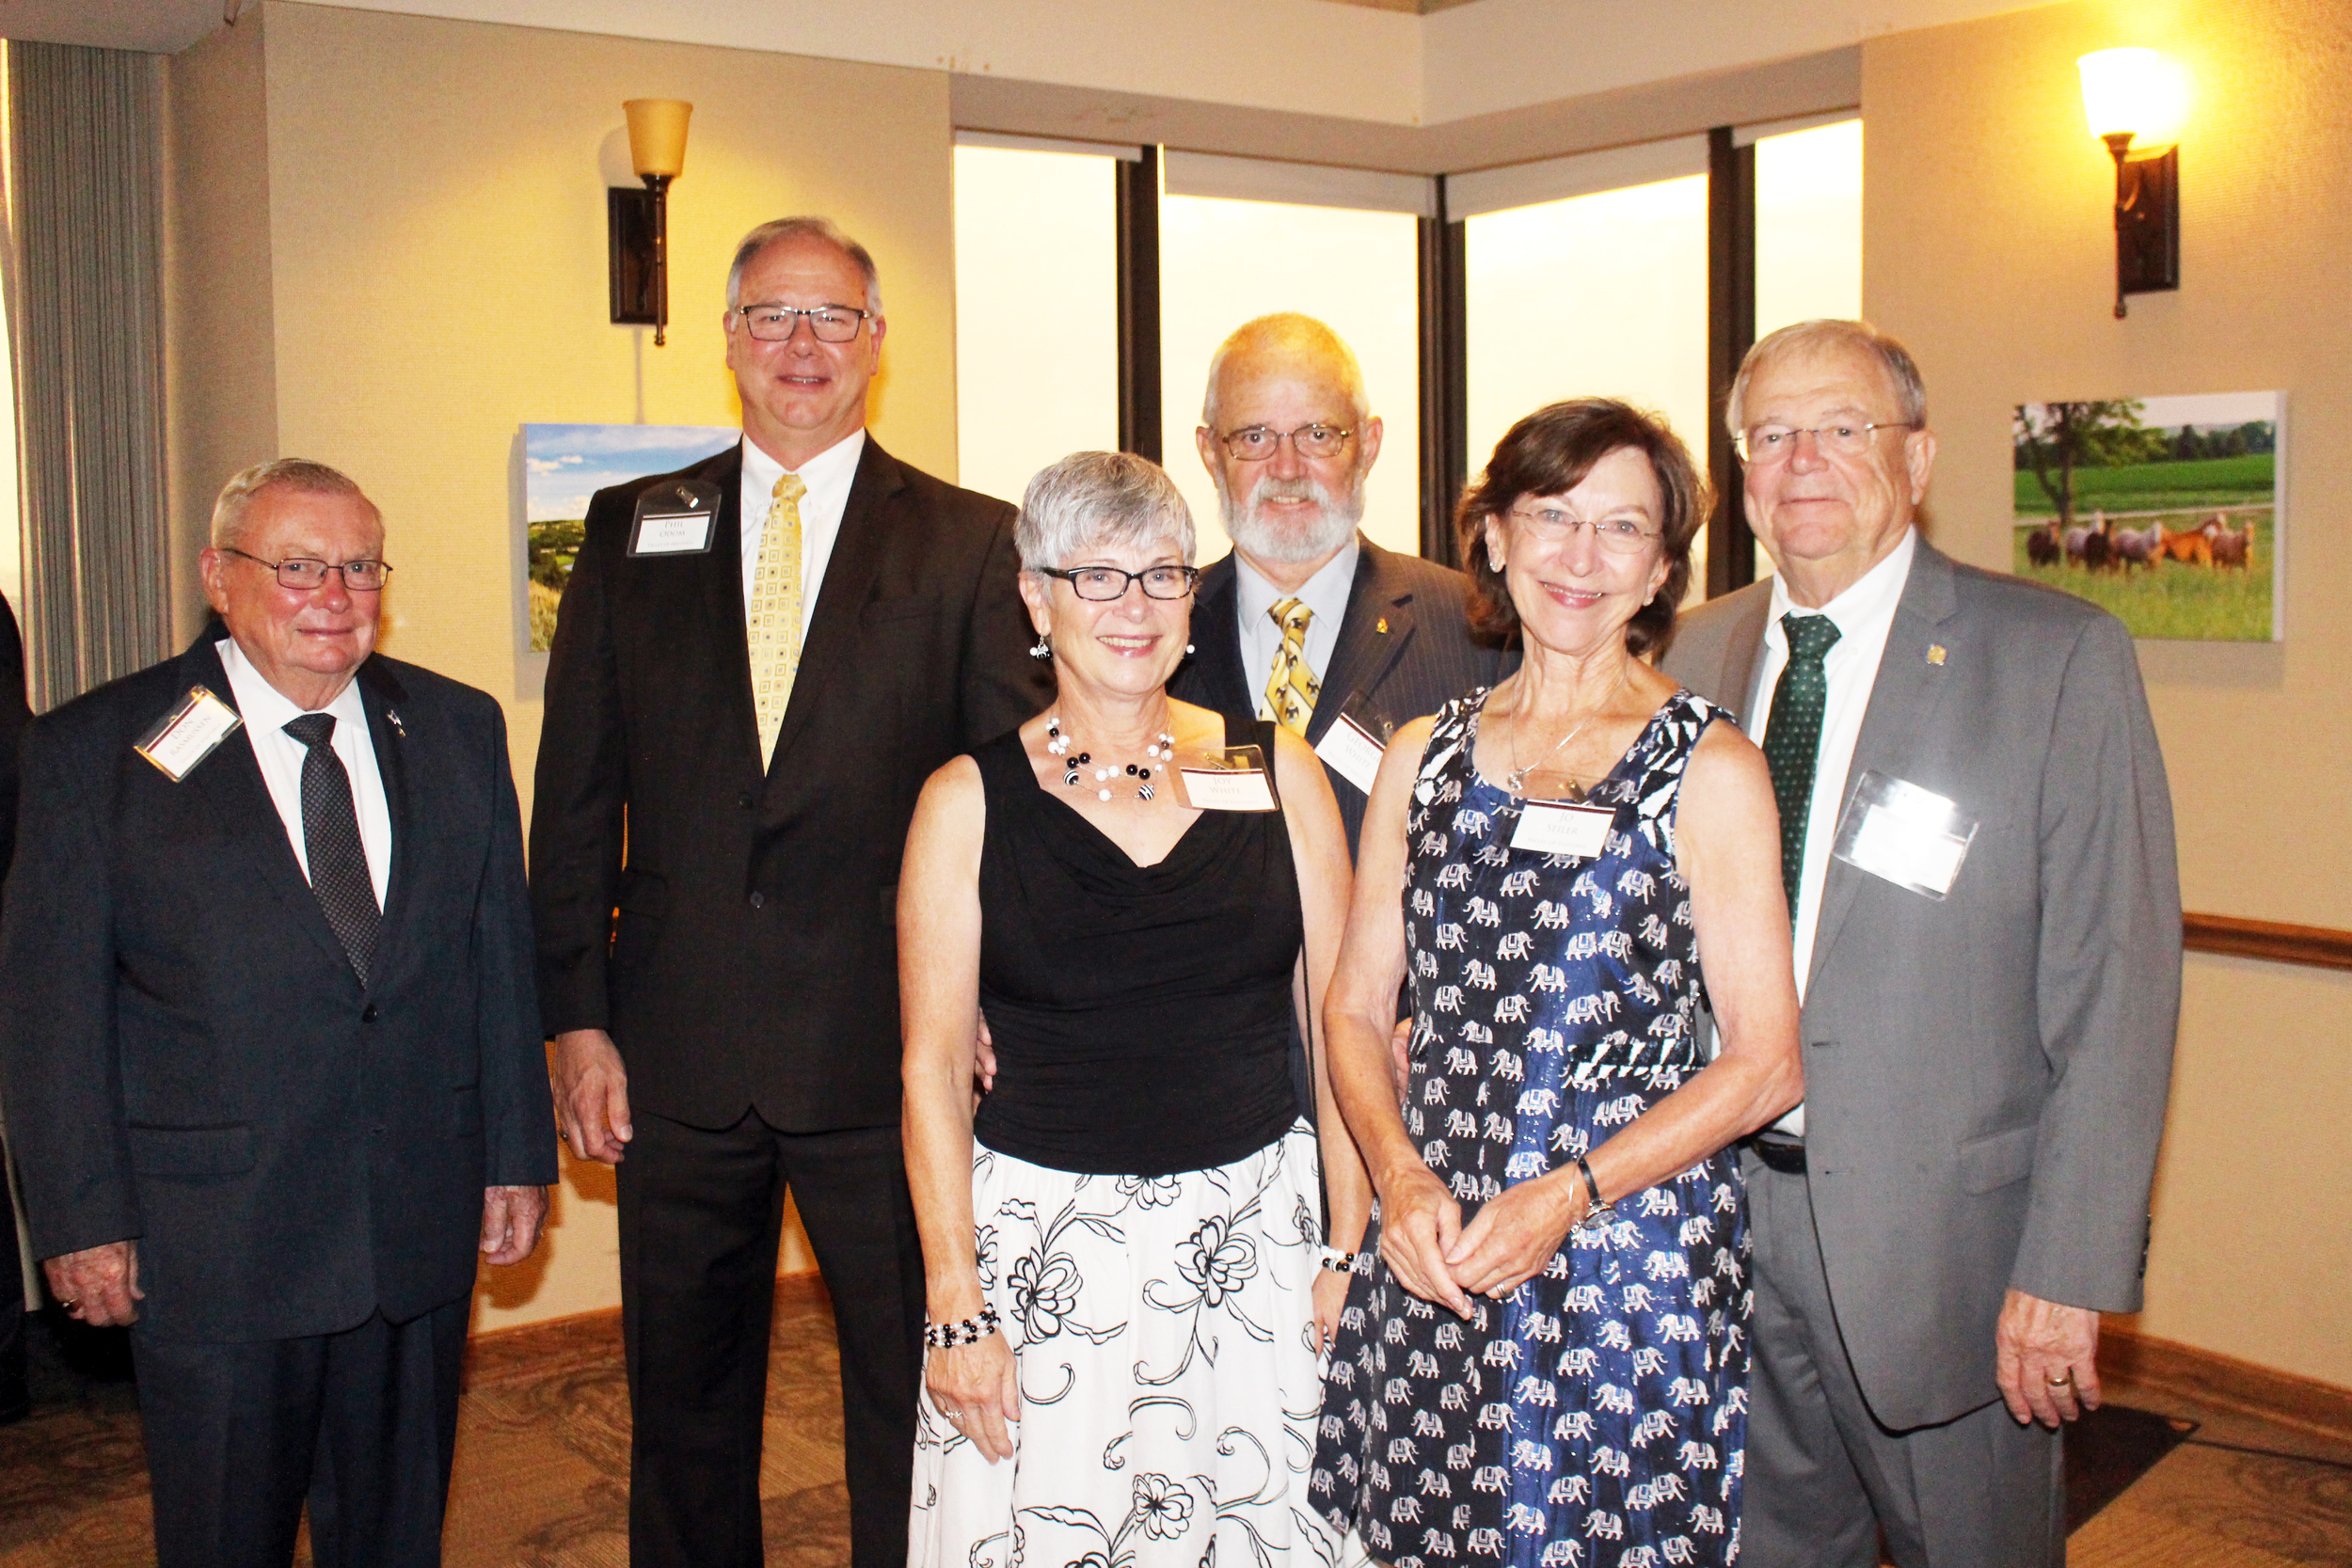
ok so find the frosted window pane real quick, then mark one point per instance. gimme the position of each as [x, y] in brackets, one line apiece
[1809, 226]
[1596, 295]
[1224, 261]
[1037, 312]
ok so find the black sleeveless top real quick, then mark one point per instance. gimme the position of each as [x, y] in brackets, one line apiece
[1141, 1014]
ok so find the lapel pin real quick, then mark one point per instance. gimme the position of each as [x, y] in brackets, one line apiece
[1935, 653]
[391, 716]
[1383, 628]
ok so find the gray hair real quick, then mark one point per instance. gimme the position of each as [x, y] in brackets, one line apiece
[1812, 337]
[1292, 334]
[1097, 498]
[283, 473]
[776, 231]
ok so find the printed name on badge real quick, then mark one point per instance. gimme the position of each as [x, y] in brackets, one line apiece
[187, 735]
[1351, 751]
[674, 518]
[1561, 828]
[1902, 833]
[1233, 779]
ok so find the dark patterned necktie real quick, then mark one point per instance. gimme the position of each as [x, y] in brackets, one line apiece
[330, 837]
[1792, 742]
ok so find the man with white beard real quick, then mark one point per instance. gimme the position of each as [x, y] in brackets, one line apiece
[1308, 618]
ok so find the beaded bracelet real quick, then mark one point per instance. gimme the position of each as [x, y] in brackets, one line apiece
[970, 1331]
[1340, 1262]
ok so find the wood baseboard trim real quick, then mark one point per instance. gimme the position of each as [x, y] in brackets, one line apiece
[2319, 947]
[2305, 1404]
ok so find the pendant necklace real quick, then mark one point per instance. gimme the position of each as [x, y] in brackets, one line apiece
[1058, 744]
[1516, 781]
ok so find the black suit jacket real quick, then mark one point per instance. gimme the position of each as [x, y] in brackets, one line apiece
[1405, 647]
[188, 1058]
[754, 962]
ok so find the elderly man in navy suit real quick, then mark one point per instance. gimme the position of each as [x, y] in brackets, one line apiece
[272, 1055]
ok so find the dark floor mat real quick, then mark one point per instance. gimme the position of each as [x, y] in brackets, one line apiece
[2110, 1449]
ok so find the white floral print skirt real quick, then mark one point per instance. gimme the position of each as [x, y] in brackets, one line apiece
[1164, 1330]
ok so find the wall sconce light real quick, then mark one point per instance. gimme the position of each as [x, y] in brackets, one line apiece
[637, 222]
[2136, 99]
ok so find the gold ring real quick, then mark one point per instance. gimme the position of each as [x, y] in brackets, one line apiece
[2061, 1382]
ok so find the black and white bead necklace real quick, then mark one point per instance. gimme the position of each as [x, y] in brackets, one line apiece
[1074, 768]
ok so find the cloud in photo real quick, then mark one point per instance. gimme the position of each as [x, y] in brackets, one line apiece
[564, 465]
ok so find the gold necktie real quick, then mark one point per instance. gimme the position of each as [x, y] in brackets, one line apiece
[1291, 689]
[773, 622]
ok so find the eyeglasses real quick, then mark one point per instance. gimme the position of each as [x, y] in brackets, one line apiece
[1104, 583]
[1764, 444]
[302, 573]
[1256, 443]
[1617, 536]
[776, 323]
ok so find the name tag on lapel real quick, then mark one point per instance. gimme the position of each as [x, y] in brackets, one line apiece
[188, 734]
[1354, 743]
[1233, 779]
[675, 517]
[1902, 833]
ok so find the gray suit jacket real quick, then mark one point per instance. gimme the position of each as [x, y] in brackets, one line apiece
[1404, 647]
[1985, 1076]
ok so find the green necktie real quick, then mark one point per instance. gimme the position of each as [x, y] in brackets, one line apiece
[1792, 742]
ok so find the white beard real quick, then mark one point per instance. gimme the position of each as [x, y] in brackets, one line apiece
[1291, 544]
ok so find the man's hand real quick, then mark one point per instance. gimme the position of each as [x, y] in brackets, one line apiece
[2038, 1341]
[510, 1222]
[591, 1096]
[97, 1284]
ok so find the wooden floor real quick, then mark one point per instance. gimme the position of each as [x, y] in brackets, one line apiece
[543, 1455]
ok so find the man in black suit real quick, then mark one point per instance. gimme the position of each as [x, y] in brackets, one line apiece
[272, 1063]
[1306, 615]
[15, 1398]
[739, 714]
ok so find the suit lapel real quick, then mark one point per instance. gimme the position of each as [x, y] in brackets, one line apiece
[381, 694]
[1740, 659]
[1216, 641]
[1372, 634]
[230, 781]
[829, 645]
[723, 600]
[1903, 699]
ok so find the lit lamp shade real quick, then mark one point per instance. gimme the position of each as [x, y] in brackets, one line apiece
[2136, 93]
[657, 135]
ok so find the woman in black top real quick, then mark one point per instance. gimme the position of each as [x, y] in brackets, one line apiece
[1123, 1246]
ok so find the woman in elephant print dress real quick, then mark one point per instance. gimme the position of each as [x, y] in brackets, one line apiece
[1524, 1372]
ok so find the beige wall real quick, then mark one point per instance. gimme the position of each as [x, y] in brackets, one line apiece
[434, 276]
[1988, 248]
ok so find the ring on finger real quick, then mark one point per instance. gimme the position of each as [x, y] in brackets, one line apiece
[2064, 1382]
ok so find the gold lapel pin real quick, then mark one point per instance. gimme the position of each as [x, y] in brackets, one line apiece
[1935, 653]
[1383, 628]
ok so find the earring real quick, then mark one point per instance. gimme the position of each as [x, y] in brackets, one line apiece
[1044, 648]
[1187, 649]
[1494, 561]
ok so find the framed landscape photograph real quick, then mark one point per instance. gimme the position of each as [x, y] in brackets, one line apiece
[2166, 511]
[565, 464]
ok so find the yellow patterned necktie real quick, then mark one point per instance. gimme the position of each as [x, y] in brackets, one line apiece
[773, 622]
[1292, 688]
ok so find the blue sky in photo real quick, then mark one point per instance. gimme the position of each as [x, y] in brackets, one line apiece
[565, 464]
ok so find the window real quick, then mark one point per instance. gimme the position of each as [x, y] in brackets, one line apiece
[1809, 224]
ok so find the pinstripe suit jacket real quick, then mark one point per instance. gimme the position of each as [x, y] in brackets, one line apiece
[1404, 646]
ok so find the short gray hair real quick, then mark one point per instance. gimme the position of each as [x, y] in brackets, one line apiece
[1095, 499]
[282, 473]
[1812, 337]
[777, 230]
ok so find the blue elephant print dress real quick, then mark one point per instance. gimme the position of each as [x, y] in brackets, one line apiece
[1596, 1418]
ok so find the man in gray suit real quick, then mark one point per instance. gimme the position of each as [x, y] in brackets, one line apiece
[1978, 847]
[1308, 615]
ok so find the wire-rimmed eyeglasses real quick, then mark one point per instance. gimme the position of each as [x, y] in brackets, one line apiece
[1256, 443]
[303, 573]
[1764, 444]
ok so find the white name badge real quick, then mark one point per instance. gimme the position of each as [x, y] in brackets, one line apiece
[187, 735]
[1352, 752]
[674, 518]
[1231, 780]
[1902, 833]
[1558, 828]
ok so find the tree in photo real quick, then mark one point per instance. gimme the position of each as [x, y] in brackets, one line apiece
[2053, 439]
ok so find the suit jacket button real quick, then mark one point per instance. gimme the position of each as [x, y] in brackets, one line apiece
[759, 900]
[367, 1014]
[746, 799]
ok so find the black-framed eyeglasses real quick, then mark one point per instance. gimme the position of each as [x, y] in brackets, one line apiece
[1256, 443]
[776, 323]
[1764, 444]
[1104, 583]
[302, 573]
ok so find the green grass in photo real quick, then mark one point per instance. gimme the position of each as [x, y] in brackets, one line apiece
[2204, 481]
[2174, 599]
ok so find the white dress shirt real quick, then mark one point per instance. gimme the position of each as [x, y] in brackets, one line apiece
[1325, 594]
[266, 712]
[1864, 614]
[828, 476]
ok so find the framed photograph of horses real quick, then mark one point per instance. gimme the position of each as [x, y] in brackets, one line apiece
[2168, 511]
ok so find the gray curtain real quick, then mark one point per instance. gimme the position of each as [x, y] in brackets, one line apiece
[84, 293]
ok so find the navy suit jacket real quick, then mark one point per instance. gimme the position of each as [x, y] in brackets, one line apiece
[189, 1060]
